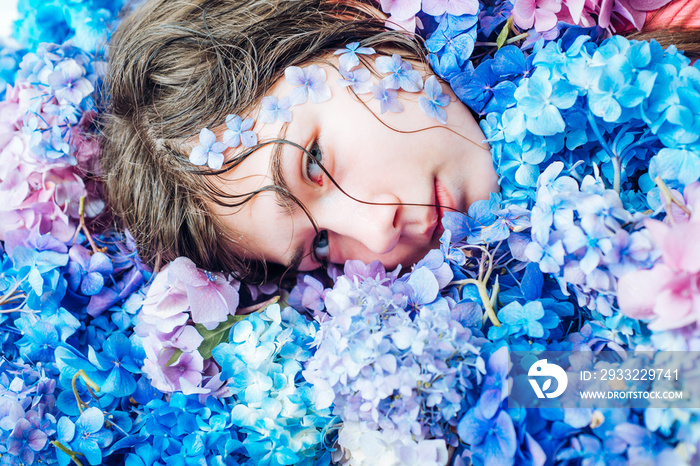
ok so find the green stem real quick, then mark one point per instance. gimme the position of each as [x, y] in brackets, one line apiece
[90, 385]
[10, 295]
[669, 197]
[71, 453]
[83, 227]
[484, 295]
[517, 38]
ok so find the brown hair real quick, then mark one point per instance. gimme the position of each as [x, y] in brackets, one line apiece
[177, 66]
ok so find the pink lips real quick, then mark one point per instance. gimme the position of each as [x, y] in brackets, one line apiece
[444, 202]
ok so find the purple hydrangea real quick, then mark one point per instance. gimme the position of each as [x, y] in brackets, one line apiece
[434, 100]
[309, 84]
[349, 55]
[401, 74]
[239, 132]
[388, 99]
[208, 151]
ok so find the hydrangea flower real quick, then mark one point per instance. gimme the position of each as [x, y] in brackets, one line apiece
[183, 305]
[211, 296]
[491, 439]
[272, 110]
[239, 132]
[26, 439]
[540, 13]
[208, 151]
[451, 7]
[517, 319]
[68, 82]
[435, 100]
[87, 436]
[401, 74]
[402, 13]
[362, 447]
[455, 40]
[309, 84]
[349, 55]
[578, 235]
[56, 147]
[262, 362]
[380, 367]
[667, 293]
[541, 101]
[358, 79]
[116, 363]
[88, 271]
[388, 99]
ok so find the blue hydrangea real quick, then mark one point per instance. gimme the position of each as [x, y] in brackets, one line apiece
[579, 235]
[263, 362]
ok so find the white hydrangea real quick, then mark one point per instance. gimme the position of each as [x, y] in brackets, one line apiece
[358, 445]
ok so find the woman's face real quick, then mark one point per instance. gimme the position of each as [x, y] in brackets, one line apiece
[389, 160]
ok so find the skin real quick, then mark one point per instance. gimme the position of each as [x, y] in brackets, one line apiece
[431, 164]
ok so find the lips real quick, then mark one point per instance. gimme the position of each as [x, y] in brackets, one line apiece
[444, 202]
[444, 199]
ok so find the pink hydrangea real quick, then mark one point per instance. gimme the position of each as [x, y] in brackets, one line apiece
[166, 304]
[452, 7]
[401, 10]
[212, 297]
[613, 15]
[35, 192]
[180, 296]
[402, 14]
[184, 375]
[540, 13]
[668, 293]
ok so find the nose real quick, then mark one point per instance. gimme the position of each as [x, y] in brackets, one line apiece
[374, 223]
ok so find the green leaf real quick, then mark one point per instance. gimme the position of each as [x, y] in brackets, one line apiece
[212, 338]
[503, 35]
[173, 359]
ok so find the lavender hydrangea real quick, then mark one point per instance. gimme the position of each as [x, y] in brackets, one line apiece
[309, 84]
[401, 74]
[209, 151]
[392, 362]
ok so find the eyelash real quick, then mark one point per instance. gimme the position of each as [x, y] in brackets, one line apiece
[320, 247]
[313, 171]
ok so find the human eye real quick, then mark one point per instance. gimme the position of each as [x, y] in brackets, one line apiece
[321, 249]
[312, 162]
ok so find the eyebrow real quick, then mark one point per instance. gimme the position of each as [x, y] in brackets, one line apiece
[280, 198]
[277, 171]
[297, 257]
